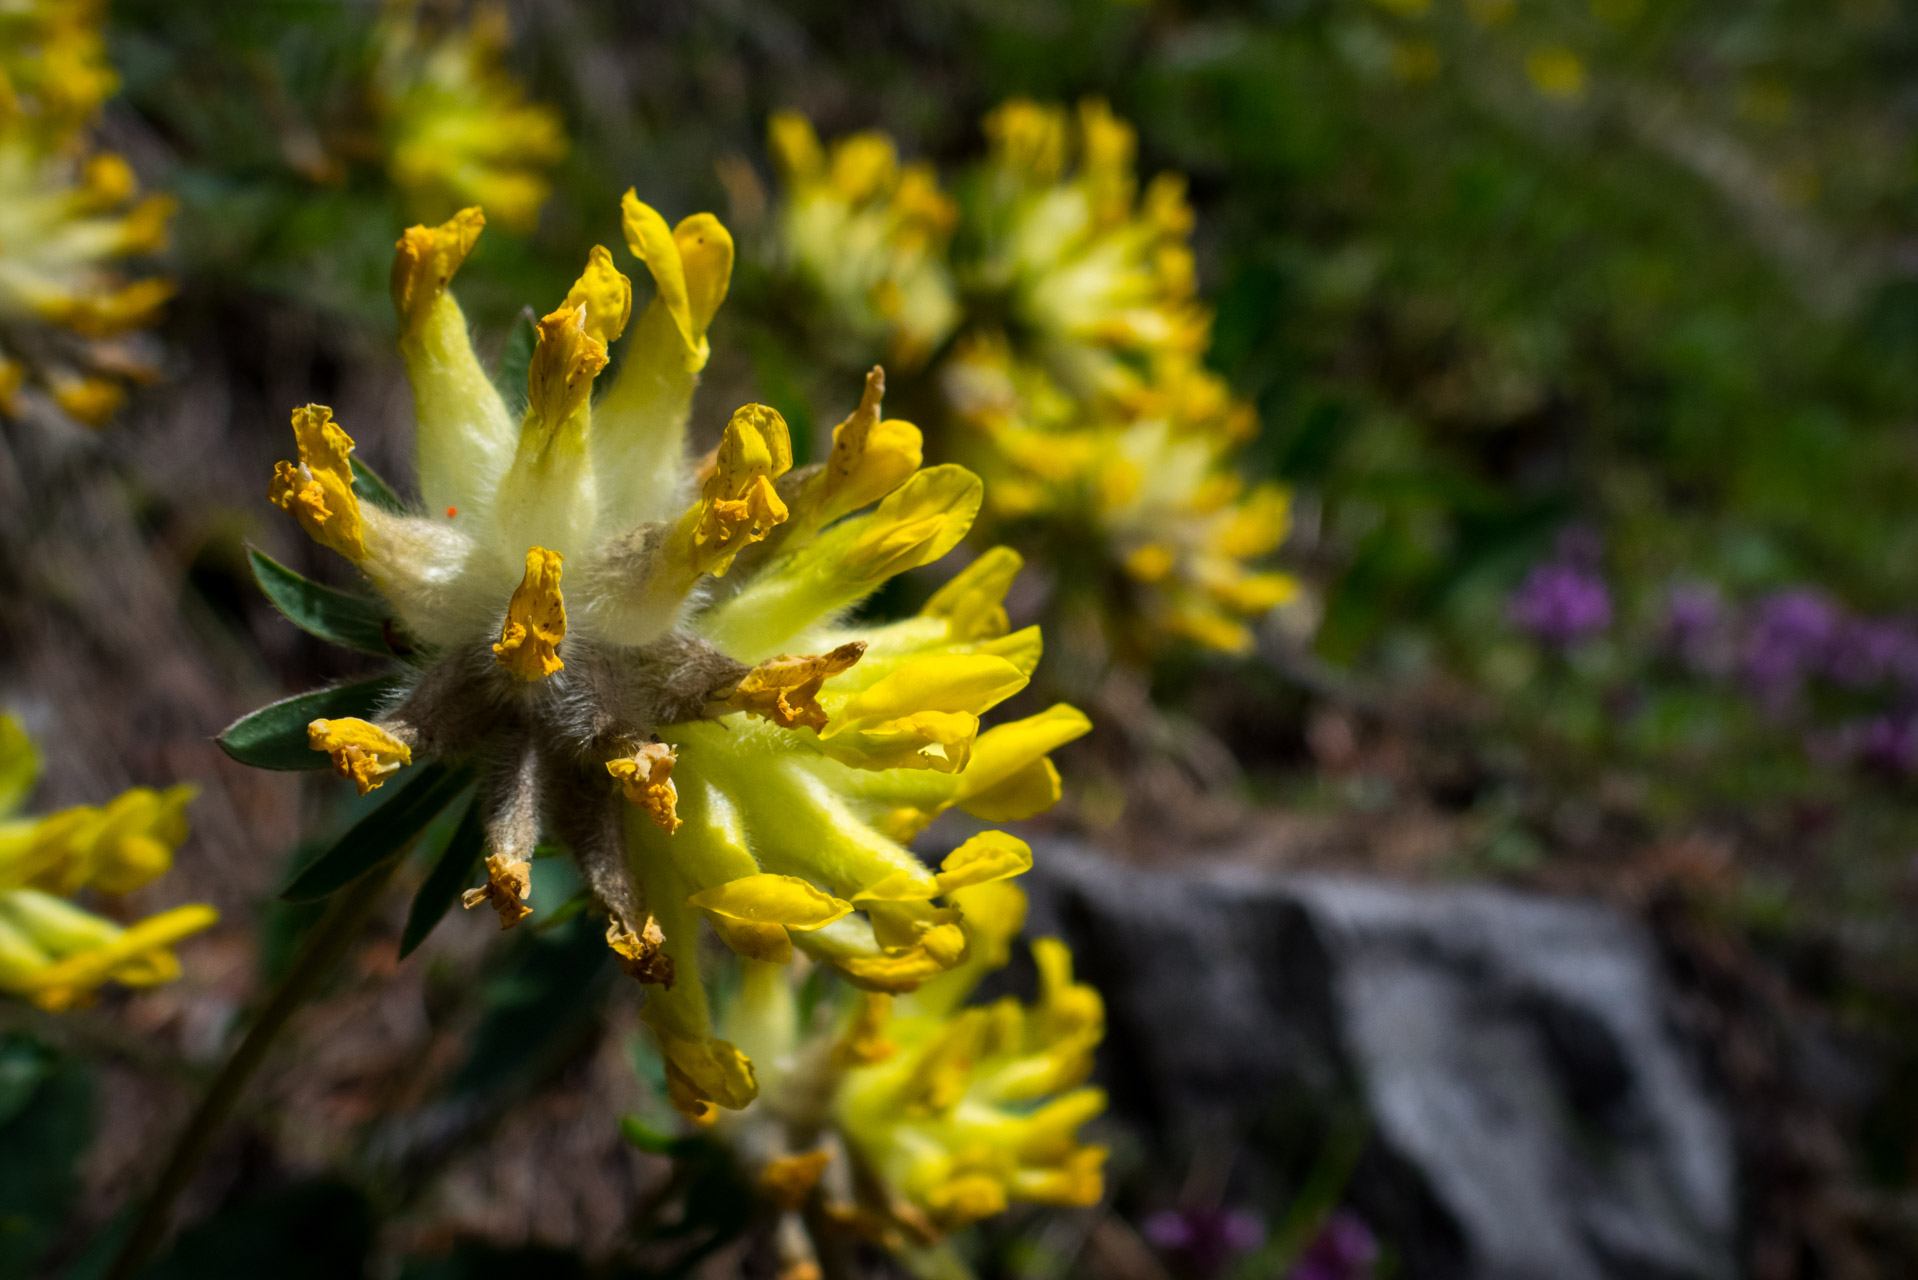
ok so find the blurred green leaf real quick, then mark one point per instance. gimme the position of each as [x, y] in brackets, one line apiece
[19, 765]
[451, 873]
[380, 834]
[338, 617]
[274, 737]
[47, 1102]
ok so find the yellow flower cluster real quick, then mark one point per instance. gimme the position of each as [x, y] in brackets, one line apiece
[458, 128]
[70, 215]
[900, 1119]
[53, 951]
[869, 235]
[649, 651]
[1075, 384]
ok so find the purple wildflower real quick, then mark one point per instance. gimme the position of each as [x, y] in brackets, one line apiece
[1695, 626]
[1344, 1249]
[1865, 653]
[1562, 603]
[1890, 743]
[1791, 638]
[1205, 1240]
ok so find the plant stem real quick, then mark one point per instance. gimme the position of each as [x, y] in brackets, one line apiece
[322, 949]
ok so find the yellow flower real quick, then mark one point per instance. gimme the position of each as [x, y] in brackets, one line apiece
[459, 130]
[1075, 386]
[52, 951]
[869, 235]
[912, 1116]
[53, 68]
[70, 313]
[685, 711]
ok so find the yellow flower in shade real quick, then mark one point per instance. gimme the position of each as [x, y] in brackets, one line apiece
[685, 709]
[901, 1119]
[869, 234]
[53, 68]
[1152, 482]
[458, 128]
[1076, 386]
[70, 217]
[53, 951]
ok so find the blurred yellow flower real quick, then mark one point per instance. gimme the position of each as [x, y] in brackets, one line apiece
[458, 128]
[905, 1118]
[52, 951]
[1557, 73]
[1075, 385]
[69, 217]
[869, 234]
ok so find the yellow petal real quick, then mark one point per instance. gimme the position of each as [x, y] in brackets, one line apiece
[691, 267]
[424, 262]
[318, 489]
[988, 856]
[606, 294]
[870, 457]
[139, 954]
[974, 599]
[864, 1041]
[966, 682]
[647, 779]
[363, 753]
[708, 1070]
[739, 504]
[1025, 793]
[785, 689]
[937, 740]
[1006, 749]
[508, 882]
[788, 1181]
[795, 146]
[566, 359]
[641, 953]
[535, 620]
[787, 901]
[917, 523]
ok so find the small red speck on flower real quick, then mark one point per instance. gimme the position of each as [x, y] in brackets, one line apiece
[451, 512]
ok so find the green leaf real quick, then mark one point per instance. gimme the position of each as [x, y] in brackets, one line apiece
[510, 378]
[368, 485]
[43, 1138]
[381, 833]
[274, 737]
[338, 617]
[645, 1137]
[19, 765]
[452, 872]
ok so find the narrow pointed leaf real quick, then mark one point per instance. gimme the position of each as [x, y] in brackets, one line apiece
[274, 737]
[451, 873]
[517, 357]
[368, 485]
[338, 617]
[381, 833]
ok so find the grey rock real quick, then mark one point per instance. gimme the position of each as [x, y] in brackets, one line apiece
[1534, 1113]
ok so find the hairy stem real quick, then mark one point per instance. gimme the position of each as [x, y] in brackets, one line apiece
[318, 954]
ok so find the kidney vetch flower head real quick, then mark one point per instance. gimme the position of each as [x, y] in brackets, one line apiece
[459, 130]
[869, 234]
[53, 951]
[1076, 385]
[901, 1119]
[70, 314]
[646, 656]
